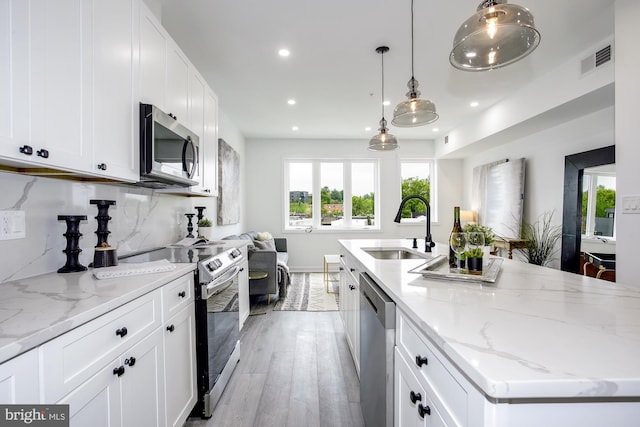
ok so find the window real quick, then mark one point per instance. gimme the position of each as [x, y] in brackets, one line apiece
[416, 178]
[347, 191]
[598, 203]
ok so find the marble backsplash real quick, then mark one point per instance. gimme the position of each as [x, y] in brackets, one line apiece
[141, 219]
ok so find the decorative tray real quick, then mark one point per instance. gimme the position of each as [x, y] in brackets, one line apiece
[437, 268]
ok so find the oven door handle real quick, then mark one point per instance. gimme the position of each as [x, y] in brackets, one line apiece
[220, 283]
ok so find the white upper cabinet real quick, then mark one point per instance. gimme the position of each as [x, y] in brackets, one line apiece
[115, 95]
[177, 83]
[43, 70]
[153, 60]
[67, 86]
[210, 144]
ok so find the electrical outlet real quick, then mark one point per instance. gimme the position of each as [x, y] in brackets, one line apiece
[631, 204]
[12, 225]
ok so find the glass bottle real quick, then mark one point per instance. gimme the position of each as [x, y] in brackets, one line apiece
[457, 228]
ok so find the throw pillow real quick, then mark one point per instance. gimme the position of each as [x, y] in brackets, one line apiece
[268, 245]
[264, 236]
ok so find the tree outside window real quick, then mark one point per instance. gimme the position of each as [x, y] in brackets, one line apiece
[416, 180]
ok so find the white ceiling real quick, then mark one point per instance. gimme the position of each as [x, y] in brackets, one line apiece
[334, 72]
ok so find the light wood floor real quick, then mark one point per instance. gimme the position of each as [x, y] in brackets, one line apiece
[295, 370]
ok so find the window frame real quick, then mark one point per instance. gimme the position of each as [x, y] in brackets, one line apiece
[347, 182]
[433, 188]
[590, 180]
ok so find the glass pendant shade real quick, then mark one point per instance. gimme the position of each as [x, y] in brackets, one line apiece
[414, 111]
[383, 141]
[497, 35]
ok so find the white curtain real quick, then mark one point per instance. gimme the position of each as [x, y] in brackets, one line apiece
[498, 196]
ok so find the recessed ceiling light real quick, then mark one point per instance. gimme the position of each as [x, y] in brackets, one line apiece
[294, 128]
[435, 129]
[284, 52]
[367, 129]
[291, 102]
[385, 103]
[474, 104]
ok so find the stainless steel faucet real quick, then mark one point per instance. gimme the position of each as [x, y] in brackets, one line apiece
[428, 242]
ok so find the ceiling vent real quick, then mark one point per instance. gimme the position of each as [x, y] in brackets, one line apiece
[597, 59]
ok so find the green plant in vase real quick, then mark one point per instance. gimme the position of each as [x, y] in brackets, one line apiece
[204, 228]
[489, 236]
[474, 260]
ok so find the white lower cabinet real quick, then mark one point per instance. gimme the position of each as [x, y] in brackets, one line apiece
[413, 406]
[180, 366]
[19, 379]
[129, 391]
[133, 366]
[350, 305]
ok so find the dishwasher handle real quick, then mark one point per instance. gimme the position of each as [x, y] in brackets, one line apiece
[383, 306]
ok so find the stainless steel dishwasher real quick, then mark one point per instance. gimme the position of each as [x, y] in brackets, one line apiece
[377, 339]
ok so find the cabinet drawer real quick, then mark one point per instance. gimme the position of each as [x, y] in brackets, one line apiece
[73, 358]
[177, 295]
[412, 344]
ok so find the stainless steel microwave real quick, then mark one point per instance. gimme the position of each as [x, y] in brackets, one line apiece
[168, 150]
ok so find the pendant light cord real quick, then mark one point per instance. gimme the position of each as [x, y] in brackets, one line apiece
[382, 103]
[412, 39]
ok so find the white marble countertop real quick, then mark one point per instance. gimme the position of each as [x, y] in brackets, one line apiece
[536, 333]
[37, 309]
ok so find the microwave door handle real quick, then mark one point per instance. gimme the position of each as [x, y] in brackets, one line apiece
[189, 143]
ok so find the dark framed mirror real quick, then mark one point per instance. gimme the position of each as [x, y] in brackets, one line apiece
[574, 166]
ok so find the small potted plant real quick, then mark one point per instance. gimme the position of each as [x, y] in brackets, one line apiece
[474, 260]
[204, 228]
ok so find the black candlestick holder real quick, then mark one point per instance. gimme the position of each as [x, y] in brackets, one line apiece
[200, 213]
[73, 236]
[103, 221]
[190, 224]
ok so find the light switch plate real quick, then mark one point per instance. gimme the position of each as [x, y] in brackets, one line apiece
[12, 225]
[631, 204]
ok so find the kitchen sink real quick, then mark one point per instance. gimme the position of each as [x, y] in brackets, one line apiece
[396, 253]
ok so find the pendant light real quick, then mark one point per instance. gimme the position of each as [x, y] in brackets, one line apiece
[414, 111]
[383, 141]
[497, 35]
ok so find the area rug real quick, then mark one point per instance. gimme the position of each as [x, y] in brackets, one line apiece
[307, 292]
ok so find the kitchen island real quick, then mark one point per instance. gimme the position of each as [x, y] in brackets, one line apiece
[539, 346]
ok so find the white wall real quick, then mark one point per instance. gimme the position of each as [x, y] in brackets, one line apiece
[228, 131]
[545, 152]
[627, 16]
[265, 192]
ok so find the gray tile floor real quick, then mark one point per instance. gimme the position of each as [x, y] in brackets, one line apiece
[295, 370]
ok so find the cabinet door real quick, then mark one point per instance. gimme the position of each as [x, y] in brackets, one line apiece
[14, 77]
[114, 101]
[177, 83]
[142, 384]
[153, 60]
[60, 69]
[196, 118]
[353, 319]
[96, 402]
[344, 290]
[19, 381]
[180, 366]
[412, 406]
[210, 144]
[243, 290]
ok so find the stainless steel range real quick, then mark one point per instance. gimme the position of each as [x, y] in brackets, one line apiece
[217, 315]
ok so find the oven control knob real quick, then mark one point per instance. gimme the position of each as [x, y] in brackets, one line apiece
[214, 265]
[235, 253]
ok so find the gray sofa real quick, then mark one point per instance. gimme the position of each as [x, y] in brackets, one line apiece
[269, 257]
